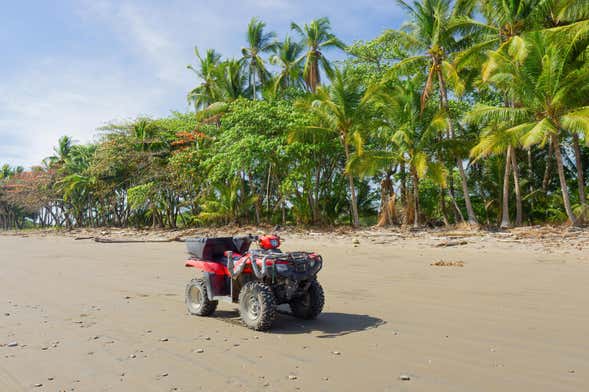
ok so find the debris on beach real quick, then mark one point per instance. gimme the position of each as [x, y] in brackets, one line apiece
[447, 244]
[442, 263]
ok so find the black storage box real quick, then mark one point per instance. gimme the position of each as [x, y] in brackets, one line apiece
[213, 249]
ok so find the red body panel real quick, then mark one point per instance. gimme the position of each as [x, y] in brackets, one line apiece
[220, 269]
[208, 266]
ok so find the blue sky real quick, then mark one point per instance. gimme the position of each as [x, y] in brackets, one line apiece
[69, 66]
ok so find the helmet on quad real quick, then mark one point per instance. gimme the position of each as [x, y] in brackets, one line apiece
[269, 242]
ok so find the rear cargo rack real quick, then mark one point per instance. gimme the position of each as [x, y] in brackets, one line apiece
[214, 248]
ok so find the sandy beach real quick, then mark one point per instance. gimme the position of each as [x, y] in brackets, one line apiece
[87, 316]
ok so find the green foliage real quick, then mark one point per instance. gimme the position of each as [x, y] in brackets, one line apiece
[473, 110]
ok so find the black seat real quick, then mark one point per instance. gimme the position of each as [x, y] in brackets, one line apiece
[213, 249]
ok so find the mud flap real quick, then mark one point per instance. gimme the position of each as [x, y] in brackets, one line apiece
[216, 285]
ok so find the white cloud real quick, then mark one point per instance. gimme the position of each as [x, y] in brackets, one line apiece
[66, 97]
[141, 68]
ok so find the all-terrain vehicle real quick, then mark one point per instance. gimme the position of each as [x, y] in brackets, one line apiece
[258, 280]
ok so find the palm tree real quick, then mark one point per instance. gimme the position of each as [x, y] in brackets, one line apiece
[414, 136]
[438, 29]
[259, 42]
[495, 140]
[61, 152]
[146, 132]
[505, 19]
[316, 37]
[553, 13]
[551, 90]
[207, 92]
[231, 80]
[287, 56]
[344, 110]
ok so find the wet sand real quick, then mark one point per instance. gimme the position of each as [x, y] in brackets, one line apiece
[111, 317]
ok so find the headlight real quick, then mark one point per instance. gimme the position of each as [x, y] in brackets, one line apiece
[281, 267]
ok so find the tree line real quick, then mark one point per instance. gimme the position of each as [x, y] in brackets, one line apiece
[473, 112]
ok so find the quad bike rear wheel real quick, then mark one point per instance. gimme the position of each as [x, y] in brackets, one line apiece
[197, 300]
[257, 306]
[309, 305]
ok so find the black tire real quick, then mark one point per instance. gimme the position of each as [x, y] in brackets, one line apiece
[197, 300]
[257, 306]
[309, 305]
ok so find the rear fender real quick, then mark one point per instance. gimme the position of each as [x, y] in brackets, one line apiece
[214, 276]
[207, 266]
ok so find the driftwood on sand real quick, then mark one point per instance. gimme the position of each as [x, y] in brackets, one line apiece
[138, 241]
[451, 243]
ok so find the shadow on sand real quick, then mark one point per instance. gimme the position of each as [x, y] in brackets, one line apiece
[328, 324]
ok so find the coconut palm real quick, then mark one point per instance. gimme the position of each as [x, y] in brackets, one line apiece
[61, 152]
[551, 91]
[495, 140]
[287, 57]
[231, 79]
[207, 92]
[343, 110]
[259, 42]
[317, 38]
[414, 135]
[504, 19]
[437, 30]
[553, 13]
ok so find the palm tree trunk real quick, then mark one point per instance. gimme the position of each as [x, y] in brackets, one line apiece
[386, 190]
[546, 178]
[518, 195]
[472, 220]
[580, 175]
[314, 75]
[415, 198]
[563, 182]
[457, 213]
[531, 183]
[505, 223]
[253, 78]
[353, 201]
[443, 206]
[403, 184]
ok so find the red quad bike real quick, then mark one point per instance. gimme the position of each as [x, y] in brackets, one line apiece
[259, 280]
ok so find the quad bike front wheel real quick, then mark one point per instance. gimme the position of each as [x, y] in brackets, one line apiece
[197, 300]
[309, 305]
[257, 306]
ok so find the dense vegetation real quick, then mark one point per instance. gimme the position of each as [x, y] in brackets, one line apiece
[474, 111]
